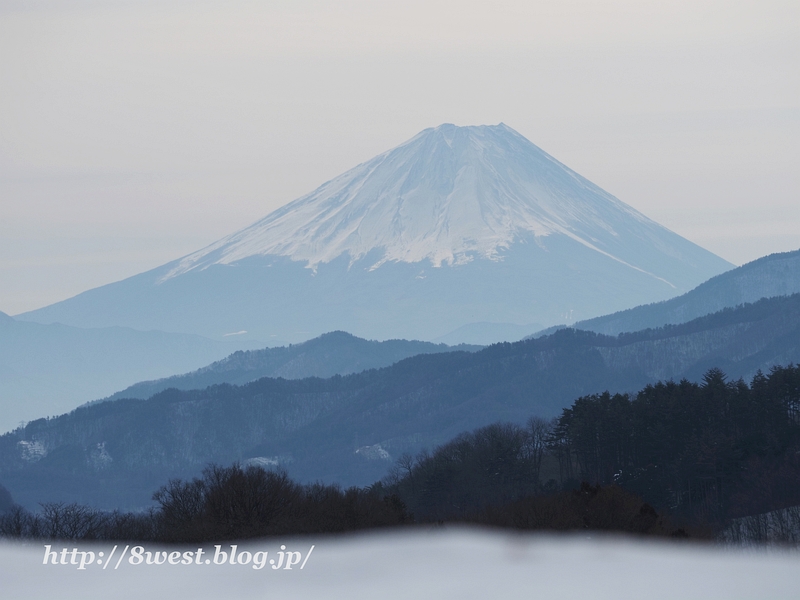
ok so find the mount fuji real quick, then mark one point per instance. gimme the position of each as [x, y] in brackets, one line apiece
[457, 226]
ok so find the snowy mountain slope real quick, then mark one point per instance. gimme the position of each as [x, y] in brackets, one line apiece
[447, 196]
[458, 225]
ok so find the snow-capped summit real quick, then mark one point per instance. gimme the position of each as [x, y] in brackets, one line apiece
[457, 226]
[448, 195]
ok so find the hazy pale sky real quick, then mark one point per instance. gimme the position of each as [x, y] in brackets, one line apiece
[133, 132]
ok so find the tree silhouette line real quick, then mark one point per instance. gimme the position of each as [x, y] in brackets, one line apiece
[675, 459]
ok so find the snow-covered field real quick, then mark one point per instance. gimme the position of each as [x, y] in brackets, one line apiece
[453, 563]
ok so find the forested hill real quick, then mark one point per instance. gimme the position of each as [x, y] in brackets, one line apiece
[6, 502]
[704, 452]
[714, 450]
[770, 276]
[334, 353]
[348, 429]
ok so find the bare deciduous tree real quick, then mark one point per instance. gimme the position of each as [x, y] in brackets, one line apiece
[537, 434]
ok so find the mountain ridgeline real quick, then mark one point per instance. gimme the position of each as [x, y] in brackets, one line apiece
[50, 369]
[457, 226]
[335, 353]
[348, 429]
[769, 276]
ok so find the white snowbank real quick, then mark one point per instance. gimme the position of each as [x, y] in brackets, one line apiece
[454, 563]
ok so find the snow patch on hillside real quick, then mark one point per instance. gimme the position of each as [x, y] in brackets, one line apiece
[32, 451]
[375, 452]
